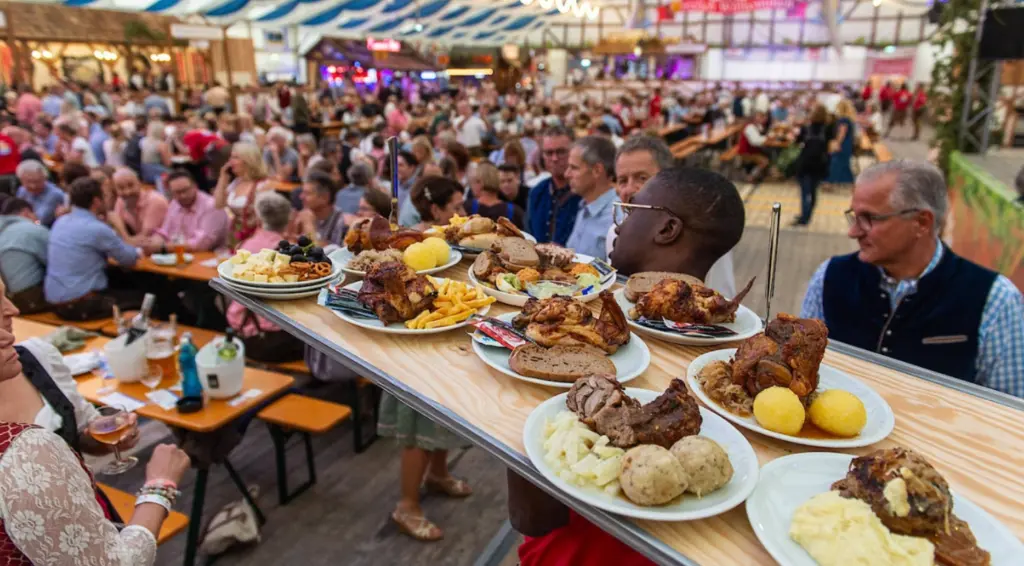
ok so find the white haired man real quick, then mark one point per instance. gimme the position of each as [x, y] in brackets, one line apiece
[45, 197]
[908, 296]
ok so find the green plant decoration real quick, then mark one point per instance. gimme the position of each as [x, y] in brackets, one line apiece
[954, 42]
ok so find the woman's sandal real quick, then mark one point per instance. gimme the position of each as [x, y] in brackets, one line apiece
[450, 486]
[416, 526]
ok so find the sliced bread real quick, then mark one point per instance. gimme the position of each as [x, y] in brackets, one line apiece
[640, 284]
[560, 363]
[516, 253]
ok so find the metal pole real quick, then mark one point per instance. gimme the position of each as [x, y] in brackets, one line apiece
[773, 254]
[972, 72]
[393, 159]
[993, 93]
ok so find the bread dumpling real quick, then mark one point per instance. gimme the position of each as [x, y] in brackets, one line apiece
[651, 475]
[705, 463]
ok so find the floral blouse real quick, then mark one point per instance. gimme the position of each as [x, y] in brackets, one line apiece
[49, 510]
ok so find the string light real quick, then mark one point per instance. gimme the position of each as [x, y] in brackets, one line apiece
[160, 57]
[104, 55]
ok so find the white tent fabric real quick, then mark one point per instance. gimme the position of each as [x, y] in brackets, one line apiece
[443, 21]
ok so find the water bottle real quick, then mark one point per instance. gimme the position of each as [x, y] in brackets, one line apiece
[190, 385]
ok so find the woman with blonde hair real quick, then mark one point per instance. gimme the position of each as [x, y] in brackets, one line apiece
[241, 178]
[156, 152]
[485, 186]
[841, 146]
[113, 147]
[423, 151]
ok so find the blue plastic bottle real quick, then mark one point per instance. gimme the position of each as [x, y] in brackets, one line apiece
[190, 385]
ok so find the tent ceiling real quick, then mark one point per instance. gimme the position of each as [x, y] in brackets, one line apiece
[483, 21]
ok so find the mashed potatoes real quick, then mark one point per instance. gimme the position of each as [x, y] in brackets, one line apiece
[837, 531]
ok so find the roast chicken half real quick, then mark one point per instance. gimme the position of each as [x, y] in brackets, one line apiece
[788, 354]
[395, 293]
[562, 320]
[679, 301]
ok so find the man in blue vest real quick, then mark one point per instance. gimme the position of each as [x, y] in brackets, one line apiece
[908, 296]
[552, 206]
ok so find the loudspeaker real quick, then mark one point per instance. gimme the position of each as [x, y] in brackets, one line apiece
[1000, 34]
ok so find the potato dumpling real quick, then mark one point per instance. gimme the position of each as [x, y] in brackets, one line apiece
[779, 410]
[838, 412]
[419, 257]
[651, 475]
[705, 463]
[439, 248]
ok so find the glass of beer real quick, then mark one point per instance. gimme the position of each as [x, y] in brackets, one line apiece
[160, 354]
[179, 249]
[111, 427]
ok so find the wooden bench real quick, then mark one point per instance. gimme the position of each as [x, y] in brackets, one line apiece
[359, 444]
[53, 320]
[298, 414]
[124, 504]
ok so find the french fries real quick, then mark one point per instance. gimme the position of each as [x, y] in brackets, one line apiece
[455, 302]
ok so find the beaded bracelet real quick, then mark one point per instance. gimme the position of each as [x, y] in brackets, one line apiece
[168, 493]
[154, 498]
[160, 482]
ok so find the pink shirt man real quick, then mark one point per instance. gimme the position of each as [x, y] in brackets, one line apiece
[28, 107]
[203, 225]
[148, 215]
[236, 313]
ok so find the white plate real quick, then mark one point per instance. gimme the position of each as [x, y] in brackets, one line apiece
[630, 359]
[394, 327]
[281, 296]
[787, 482]
[747, 324]
[169, 260]
[880, 416]
[345, 256]
[469, 254]
[224, 270]
[687, 508]
[519, 299]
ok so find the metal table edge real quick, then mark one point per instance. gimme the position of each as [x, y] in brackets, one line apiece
[622, 528]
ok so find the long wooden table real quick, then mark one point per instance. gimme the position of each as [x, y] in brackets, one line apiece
[974, 436]
[193, 270]
[215, 415]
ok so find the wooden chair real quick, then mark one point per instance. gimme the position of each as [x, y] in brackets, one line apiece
[53, 320]
[124, 504]
[298, 414]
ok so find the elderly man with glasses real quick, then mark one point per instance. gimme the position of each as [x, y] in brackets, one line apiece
[906, 295]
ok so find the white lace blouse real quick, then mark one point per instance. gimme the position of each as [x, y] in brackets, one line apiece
[50, 511]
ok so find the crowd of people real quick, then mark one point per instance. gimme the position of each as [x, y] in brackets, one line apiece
[94, 178]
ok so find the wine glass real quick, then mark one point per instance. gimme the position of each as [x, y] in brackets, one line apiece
[111, 427]
[154, 375]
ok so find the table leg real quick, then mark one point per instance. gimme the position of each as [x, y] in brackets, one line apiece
[245, 491]
[195, 519]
